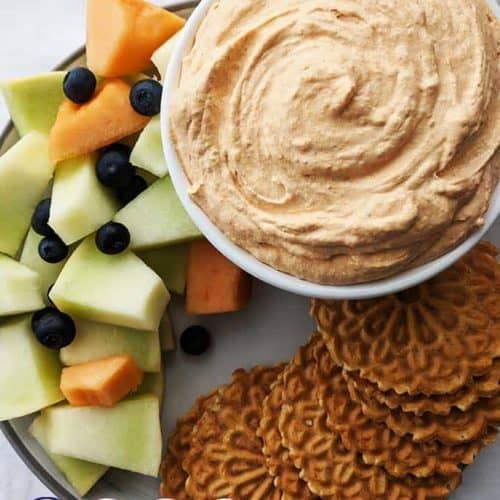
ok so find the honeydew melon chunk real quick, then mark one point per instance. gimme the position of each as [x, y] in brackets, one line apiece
[156, 218]
[80, 474]
[20, 288]
[31, 258]
[95, 341]
[33, 102]
[167, 340]
[170, 263]
[29, 372]
[25, 172]
[148, 150]
[153, 383]
[114, 289]
[80, 203]
[161, 57]
[126, 436]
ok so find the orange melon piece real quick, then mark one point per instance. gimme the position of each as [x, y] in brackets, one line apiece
[214, 284]
[101, 383]
[107, 118]
[122, 35]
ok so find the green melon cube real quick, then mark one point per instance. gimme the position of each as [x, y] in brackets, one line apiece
[95, 341]
[80, 474]
[148, 150]
[156, 218]
[114, 289]
[31, 258]
[126, 436]
[170, 263]
[20, 288]
[33, 102]
[161, 57]
[153, 383]
[29, 372]
[25, 172]
[80, 203]
[167, 340]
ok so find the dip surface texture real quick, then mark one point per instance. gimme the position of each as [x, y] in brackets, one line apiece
[342, 141]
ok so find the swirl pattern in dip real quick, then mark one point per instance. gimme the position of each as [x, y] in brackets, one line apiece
[342, 141]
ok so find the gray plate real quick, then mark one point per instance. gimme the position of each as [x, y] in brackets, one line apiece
[270, 330]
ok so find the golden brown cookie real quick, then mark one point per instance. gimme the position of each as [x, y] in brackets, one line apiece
[455, 428]
[172, 473]
[225, 458]
[431, 339]
[278, 460]
[376, 442]
[487, 385]
[332, 471]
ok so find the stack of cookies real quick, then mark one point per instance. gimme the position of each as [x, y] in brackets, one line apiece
[390, 399]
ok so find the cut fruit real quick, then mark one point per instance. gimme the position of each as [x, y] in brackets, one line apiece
[80, 203]
[148, 151]
[214, 284]
[33, 102]
[29, 372]
[167, 340]
[170, 263]
[21, 288]
[80, 474]
[25, 172]
[31, 258]
[104, 120]
[95, 341]
[126, 45]
[126, 436]
[162, 56]
[153, 383]
[97, 287]
[156, 218]
[103, 382]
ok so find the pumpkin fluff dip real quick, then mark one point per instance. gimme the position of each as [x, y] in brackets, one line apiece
[342, 141]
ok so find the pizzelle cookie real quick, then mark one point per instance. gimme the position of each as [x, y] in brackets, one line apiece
[278, 460]
[225, 458]
[172, 473]
[431, 339]
[487, 385]
[377, 443]
[457, 427]
[332, 471]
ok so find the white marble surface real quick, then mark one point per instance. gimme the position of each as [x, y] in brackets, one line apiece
[35, 35]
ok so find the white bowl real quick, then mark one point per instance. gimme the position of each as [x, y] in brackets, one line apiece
[249, 263]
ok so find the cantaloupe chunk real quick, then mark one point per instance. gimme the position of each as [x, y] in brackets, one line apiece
[101, 383]
[107, 118]
[214, 284]
[123, 34]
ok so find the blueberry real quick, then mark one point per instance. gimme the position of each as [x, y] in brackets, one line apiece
[79, 85]
[112, 238]
[145, 97]
[113, 168]
[40, 219]
[133, 190]
[53, 250]
[195, 340]
[52, 328]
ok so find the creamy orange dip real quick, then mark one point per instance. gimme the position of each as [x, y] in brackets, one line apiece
[342, 141]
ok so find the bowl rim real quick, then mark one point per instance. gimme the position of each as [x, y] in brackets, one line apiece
[248, 262]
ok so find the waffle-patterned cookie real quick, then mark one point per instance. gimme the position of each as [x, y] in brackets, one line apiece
[487, 385]
[172, 473]
[278, 460]
[225, 458]
[457, 427]
[431, 339]
[376, 442]
[332, 471]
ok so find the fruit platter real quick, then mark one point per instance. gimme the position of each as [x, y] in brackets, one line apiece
[139, 362]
